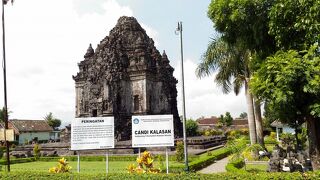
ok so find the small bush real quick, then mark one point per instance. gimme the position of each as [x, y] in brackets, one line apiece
[36, 151]
[180, 151]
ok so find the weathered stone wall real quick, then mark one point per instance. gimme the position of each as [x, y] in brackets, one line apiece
[124, 76]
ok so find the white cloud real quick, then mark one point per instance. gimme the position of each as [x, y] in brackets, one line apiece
[203, 97]
[45, 41]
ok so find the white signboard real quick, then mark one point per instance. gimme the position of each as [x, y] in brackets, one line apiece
[92, 133]
[152, 131]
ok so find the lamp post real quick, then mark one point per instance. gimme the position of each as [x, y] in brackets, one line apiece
[5, 86]
[179, 31]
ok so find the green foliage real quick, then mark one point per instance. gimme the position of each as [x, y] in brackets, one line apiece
[16, 161]
[295, 24]
[251, 152]
[211, 132]
[290, 83]
[228, 119]
[180, 151]
[235, 134]
[287, 139]
[243, 115]
[145, 165]
[235, 166]
[52, 121]
[2, 111]
[236, 146]
[243, 22]
[303, 137]
[221, 119]
[36, 151]
[191, 128]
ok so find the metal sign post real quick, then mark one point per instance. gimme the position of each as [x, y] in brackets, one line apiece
[167, 160]
[107, 162]
[78, 165]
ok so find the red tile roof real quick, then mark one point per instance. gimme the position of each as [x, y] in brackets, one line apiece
[30, 125]
[207, 121]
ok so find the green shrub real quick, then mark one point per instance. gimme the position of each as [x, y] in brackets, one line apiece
[16, 161]
[182, 176]
[180, 151]
[251, 152]
[287, 139]
[36, 151]
[273, 135]
[191, 128]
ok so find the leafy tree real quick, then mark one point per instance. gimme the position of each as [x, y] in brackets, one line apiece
[290, 82]
[243, 115]
[244, 24]
[221, 119]
[228, 119]
[191, 127]
[52, 121]
[295, 24]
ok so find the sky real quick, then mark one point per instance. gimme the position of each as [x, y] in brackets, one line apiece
[45, 39]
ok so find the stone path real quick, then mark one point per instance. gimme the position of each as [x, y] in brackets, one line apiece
[216, 167]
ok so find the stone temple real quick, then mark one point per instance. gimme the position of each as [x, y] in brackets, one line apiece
[124, 76]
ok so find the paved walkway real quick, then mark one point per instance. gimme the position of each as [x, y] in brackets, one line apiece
[216, 167]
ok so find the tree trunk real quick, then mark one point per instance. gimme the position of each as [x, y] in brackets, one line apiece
[251, 121]
[258, 121]
[314, 141]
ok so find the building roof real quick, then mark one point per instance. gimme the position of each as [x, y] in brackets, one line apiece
[30, 125]
[208, 121]
[239, 121]
[277, 123]
[214, 120]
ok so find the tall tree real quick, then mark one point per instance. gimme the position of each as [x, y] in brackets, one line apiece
[52, 121]
[290, 82]
[228, 119]
[243, 115]
[231, 64]
[245, 22]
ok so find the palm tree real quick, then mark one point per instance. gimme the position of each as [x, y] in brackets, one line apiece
[231, 63]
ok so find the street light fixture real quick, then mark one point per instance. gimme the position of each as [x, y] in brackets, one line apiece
[179, 31]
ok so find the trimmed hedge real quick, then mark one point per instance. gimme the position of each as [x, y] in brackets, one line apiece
[203, 161]
[253, 176]
[236, 166]
[16, 161]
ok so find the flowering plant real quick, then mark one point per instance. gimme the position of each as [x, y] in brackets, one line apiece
[145, 165]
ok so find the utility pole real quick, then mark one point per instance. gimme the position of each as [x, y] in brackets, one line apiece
[5, 87]
[179, 31]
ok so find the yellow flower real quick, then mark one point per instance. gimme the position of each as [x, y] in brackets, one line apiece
[139, 170]
[149, 161]
[53, 170]
[131, 168]
[146, 154]
[139, 160]
[62, 161]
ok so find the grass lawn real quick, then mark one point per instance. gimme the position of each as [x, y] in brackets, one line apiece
[85, 166]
